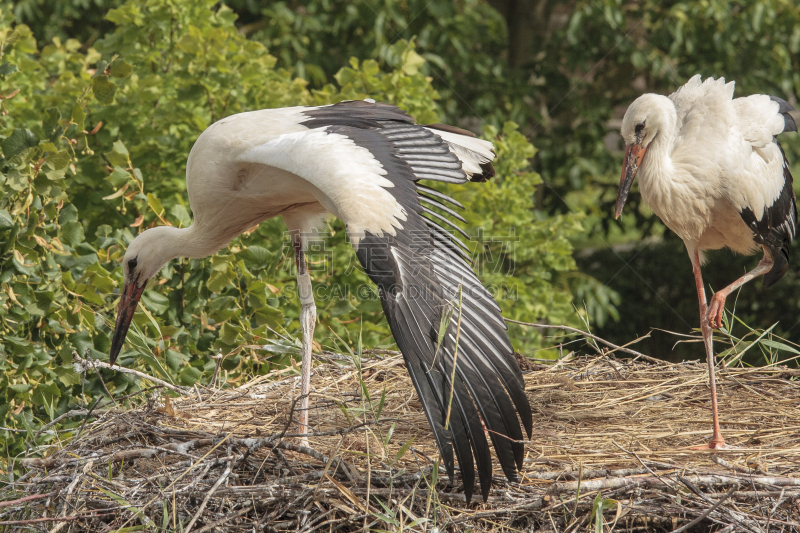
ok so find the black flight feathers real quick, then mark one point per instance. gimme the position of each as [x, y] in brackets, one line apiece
[778, 224]
[784, 109]
[418, 272]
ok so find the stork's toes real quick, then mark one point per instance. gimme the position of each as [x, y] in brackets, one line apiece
[715, 310]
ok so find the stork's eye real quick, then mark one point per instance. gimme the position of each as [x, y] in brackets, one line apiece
[132, 264]
[639, 127]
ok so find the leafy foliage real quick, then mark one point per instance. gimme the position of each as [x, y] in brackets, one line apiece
[95, 140]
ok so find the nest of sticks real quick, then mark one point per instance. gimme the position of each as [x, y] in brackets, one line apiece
[609, 452]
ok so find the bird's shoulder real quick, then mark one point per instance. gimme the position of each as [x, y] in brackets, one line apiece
[758, 119]
[696, 95]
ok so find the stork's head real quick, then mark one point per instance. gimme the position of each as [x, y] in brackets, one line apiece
[645, 117]
[143, 259]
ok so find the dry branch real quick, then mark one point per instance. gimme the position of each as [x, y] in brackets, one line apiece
[81, 364]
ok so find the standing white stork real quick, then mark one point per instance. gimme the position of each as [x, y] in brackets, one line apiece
[716, 175]
[361, 161]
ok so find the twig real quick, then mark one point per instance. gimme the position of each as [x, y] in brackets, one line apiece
[28, 499]
[82, 363]
[68, 414]
[86, 418]
[705, 514]
[237, 514]
[642, 463]
[730, 466]
[708, 479]
[219, 482]
[52, 519]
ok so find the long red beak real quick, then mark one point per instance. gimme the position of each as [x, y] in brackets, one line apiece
[634, 154]
[127, 307]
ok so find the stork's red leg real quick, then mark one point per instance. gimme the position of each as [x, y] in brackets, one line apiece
[308, 318]
[717, 441]
[717, 306]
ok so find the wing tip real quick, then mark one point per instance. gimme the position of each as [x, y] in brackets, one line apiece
[784, 108]
[487, 173]
[779, 268]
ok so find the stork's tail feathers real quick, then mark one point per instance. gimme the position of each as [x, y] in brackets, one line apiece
[476, 155]
[784, 109]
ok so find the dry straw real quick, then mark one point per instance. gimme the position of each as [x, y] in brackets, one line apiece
[608, 453]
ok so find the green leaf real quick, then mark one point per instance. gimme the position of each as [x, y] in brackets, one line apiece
[269, 316]
[219, 279]
[59, 160]
[598, 506]
[7, 69]
[413, 63]
[779, 346]
[345, 76]
[380, 404]
[44, 393]
[20, 387]
[118, 160]
[20, 140]
[180, 214]
[155, 302]
[255, 256]
[78, 116]
[50, 121]
[72, 233]
[402, 451]
[189, 375]
[120, 68]
[12, 38]
[103, 89]
[154, 203]
[228, 333]
[174, 359]
[119, 147]
[67, 375]
[6, 221]
[118, 176]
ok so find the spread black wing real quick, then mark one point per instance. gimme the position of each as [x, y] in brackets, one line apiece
[418, 272]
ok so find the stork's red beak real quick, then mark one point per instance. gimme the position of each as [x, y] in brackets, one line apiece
[127, 307]
[634, 154]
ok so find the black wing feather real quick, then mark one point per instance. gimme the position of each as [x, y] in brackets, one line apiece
[788, 121]
[777, 226]
[418, 271]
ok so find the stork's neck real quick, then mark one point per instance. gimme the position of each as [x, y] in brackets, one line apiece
[657, 168]
[156, 246]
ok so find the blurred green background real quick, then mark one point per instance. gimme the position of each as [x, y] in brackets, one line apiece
[102, 100]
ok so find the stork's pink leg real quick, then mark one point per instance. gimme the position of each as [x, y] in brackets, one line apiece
[308, 318]
[717, 307]
[717, 441]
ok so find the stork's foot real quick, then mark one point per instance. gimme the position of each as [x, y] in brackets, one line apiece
[713, 445]
[716, 309]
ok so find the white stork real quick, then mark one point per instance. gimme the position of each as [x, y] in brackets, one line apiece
[361, 161]
[716, 175]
